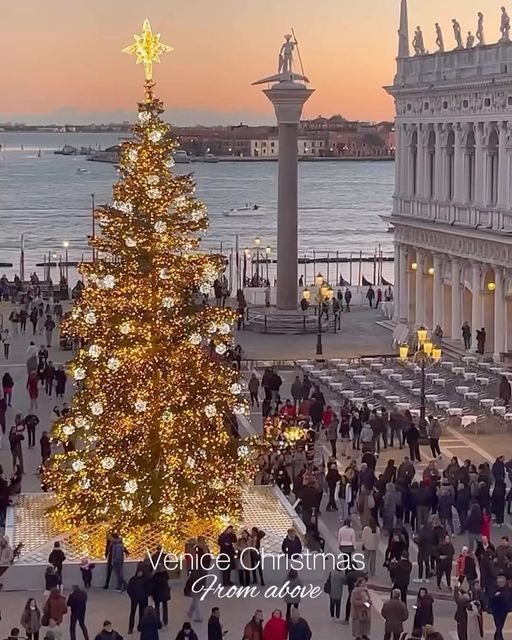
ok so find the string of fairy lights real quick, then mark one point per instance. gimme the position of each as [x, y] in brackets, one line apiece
[148, 421]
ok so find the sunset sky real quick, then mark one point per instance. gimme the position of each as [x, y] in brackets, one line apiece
[61, 60]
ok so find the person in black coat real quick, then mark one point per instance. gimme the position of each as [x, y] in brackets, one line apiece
[57, 558]
[186, 632]
[400, 574]
[412, 436]
[227, 541]
[500, 605]
[149, 625]
[77, 602]
[298, 627]
[138, 593]
[498, 501]
[214, 625]
[161, 593]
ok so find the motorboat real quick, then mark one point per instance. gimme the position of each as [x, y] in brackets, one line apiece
[209, 157]
[81, 171]
[247, 211]
[181, 157]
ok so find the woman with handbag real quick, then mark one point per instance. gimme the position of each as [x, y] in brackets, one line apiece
[334, 587]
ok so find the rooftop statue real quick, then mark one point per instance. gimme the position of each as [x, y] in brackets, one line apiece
[285, 65]
[457, 33]
[470, 41]
[480, 36]
[417, 43]
[439, 39]
[505, 26]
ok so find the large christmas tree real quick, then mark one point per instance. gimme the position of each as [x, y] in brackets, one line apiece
[150, 413]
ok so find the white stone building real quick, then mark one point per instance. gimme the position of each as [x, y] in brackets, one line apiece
[306, 147]
[452, 211]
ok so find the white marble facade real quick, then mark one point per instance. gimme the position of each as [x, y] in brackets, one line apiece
[452, 211]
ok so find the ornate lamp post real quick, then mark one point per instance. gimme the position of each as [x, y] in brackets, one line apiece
[257, 242]
[65, 244]
[268, 251]
[425, 355]
[325, 294]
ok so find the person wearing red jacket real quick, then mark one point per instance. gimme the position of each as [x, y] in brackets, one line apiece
[327, 417]
[288, 410]
[276, 627]
[486, 526]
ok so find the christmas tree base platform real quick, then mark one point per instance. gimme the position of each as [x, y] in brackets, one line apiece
[293, 322]
[263, 506]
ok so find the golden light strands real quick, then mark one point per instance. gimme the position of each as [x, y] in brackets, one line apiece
[153, 389]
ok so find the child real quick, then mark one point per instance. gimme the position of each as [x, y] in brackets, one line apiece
[86, 568]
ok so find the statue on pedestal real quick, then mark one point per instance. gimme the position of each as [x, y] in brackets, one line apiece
[480, 30]
[417, 43]
[439, 39]
[470, 41]
[504, 26]
[285, 71]
[457, 33]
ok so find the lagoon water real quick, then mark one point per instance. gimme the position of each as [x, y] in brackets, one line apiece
[45, 199]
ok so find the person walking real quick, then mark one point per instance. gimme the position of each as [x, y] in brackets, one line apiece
[360, 608]
[348, 298]
[466, 335]
[6, 339]
[49, 375]
[49, 326]
[77, 603]
[33, 389]
[500, 606]
[187, 633]
[253, 386]
[334, 587]
[444, 553]
[31, 421]
[215, 631]
[226, 542]
[54, 608]
[109, 633]
[15, 439]
[505, 391]
[149, 625]
[254, 628]
[23, 320]
[370, 296]
[395, 613]
[331, 431]
[160, 591]
[45, 447]
[138, 593]
[60, 382]
[434, 433]
[31, 619]
[413, 440]
[294, 583]
[7, 385]
[480, 341]
[370, 545]
[57, 558]
[298, 627]
[297, 391]
[34, 317]
[276, 627]
[424, 609]
[118, 552]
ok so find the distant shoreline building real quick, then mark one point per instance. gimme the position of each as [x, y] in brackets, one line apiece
[452, 212]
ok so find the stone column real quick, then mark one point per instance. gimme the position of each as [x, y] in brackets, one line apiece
[396, 282]
[403, 293]
[458, 169]
[420, 163]
[288, 99]
[476, 302]
[499, 314]
[502, 167]
[404, 162]
[420, 288]
[398, 160]
[456, 300]
[479, 166]
[439, 180]
[437, 292]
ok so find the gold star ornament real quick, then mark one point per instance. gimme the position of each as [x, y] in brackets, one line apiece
[147, 48]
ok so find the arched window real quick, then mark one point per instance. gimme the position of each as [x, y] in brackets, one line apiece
[470, 166]
[492, 166]
[450, 164]
[414, 163]
[431, 168]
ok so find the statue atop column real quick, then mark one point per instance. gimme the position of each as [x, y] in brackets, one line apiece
[439, 38]
[480, 36]
[505, 26]
[417, 43]
[457, 33]
[470, 40]
[285, 65]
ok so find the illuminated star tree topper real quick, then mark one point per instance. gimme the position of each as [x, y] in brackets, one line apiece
[148, 48]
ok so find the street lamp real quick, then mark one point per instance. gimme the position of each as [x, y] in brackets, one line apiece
[247, 255]
[257, 242]
[268, 251]
[65, 244]
[425, 354]
[325, 294]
